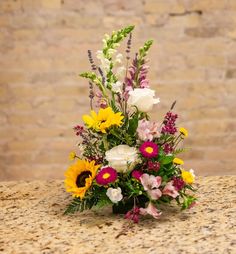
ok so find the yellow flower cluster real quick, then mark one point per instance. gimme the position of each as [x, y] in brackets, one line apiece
[183, 131]
[103, 120]
[188, 176]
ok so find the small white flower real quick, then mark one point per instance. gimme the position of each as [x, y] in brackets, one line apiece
[120, 71]
[192, 172]
[122, 157]
[143, 99]
[105, 63]
[119, 58]
[114, 195]
[116, 87]
[111, 52]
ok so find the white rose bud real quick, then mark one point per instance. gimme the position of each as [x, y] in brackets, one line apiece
[143, 99]
[114, 195]
[122, 157]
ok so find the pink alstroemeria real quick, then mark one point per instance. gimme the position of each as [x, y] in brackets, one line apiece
[151, 184]
[147, 130]
[152, 210]
[170, 190]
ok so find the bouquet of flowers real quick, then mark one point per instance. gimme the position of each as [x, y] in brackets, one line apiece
[125, 159]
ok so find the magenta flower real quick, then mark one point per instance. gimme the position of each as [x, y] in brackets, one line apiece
[149, 149]
[152, 210]
[178, 183]
[106, 175]
[170, 190]
[133, 214]
[155, 166]
[169, 123]
[151, 184]
[136, 174]
[147, 130]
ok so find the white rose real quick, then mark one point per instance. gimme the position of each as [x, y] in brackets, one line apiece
[116, 87]
[122, 157]
[114, 195]
[143, 99]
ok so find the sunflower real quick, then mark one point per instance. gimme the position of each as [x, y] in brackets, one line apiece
[79, 177]
[103, 120]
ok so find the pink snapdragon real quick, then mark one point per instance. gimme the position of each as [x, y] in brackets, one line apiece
[151, 210]
[147, 130]
[170, 190]
[151, 184]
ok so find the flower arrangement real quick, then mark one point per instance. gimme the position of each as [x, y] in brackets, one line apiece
[125, 159]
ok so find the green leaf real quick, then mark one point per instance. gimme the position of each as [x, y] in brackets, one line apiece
[133, 124]
[103, 202]
[187, 202]
[180, 150]
[78, 205]
[166, 159]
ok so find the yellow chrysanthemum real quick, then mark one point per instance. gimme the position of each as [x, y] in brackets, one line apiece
[183, 131]
[188, 176]
[72, 156]
[79, 177]
[178, 161]
[103, 120]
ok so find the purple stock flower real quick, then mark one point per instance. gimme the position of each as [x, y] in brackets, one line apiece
[169, 123]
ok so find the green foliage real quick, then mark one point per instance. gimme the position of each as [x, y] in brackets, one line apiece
[78, 205]
[103, 201]
[112, 41]
[188, 200]
[166, 159]
[133, 124]
[144, 50]
[180, 150]
[96, 80]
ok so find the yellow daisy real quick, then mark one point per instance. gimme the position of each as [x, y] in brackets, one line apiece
[103, 120]
[188, 176]
[183, 131]
[178, 161]
[79, 177]
[72, 156]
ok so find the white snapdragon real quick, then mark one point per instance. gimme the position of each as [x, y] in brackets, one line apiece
[117, 87]
[105, 63]
[120, 71]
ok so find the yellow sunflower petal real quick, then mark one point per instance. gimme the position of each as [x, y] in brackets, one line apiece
[87, 170]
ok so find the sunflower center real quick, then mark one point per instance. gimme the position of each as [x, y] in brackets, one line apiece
[81, 178]
[149, 149]
[106, 175]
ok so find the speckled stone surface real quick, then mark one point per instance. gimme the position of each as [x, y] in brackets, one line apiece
[32, 221]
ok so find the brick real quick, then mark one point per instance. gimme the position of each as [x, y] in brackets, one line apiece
[12, 77]
[203, 32]
[162, 6]
[51, 4]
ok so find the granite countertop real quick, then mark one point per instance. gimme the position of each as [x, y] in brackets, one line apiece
[32, 221]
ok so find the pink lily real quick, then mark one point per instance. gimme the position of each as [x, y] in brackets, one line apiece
[151, 184]
[170, 190]
[152, 210]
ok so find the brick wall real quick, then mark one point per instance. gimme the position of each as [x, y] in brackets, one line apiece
[43, 47]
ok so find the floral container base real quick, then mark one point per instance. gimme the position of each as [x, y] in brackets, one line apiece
[127, 205]
[124, 159]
